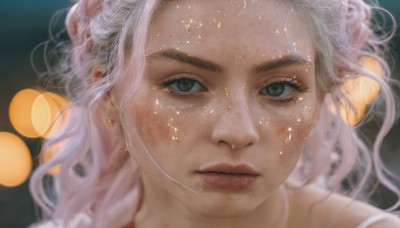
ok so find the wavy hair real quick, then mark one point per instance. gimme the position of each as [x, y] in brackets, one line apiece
[100, 183]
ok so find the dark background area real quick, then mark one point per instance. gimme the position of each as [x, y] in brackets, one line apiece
[23, 25]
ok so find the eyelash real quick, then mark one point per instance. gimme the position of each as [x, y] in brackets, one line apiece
[287, 81]
[168, 83]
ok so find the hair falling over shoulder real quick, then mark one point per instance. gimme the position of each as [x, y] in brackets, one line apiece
[101, 183]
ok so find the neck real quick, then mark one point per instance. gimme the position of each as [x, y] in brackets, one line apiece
[161, 209]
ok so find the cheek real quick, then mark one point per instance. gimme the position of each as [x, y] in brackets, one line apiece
[153, 127]
[292, 134]
[293, 139]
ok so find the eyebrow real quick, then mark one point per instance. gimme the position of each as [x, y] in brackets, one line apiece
[283, 61]
[186, 58]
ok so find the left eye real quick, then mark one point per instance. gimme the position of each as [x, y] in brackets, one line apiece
[185, 85]
[278, 89]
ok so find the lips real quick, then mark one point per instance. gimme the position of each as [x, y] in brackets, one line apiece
[227, 176]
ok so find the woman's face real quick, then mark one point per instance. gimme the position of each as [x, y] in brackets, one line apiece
[226, 104]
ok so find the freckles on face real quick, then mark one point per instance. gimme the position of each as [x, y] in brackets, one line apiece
[226, 83]
[157, 125]
[292, 133]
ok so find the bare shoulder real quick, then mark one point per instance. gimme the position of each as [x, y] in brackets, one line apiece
[318, 208]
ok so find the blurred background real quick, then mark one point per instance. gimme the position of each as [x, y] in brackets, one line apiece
[26, 113]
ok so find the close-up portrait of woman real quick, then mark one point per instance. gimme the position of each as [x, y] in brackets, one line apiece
[219, 113]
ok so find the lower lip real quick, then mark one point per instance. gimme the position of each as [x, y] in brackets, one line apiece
[235, 182]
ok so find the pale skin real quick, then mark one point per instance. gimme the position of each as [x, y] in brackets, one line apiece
[229, 83]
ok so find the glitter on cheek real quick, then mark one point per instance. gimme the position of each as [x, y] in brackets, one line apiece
[150, 121]
[264, 122]
[226, 92]
[290, 147]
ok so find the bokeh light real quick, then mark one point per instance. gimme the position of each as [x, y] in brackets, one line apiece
[36, 114]
[360, 92]
[20, 112]
[47, 113]
[15, 160]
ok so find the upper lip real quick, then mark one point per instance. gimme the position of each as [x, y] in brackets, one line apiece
[240, 169]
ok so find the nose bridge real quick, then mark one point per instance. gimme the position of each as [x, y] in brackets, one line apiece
[235, 126]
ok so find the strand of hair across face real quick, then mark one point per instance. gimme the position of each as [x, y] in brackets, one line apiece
[169, 177]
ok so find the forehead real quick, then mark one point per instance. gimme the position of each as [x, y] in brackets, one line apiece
[266, 28]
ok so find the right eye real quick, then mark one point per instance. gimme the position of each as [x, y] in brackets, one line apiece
[184, 85]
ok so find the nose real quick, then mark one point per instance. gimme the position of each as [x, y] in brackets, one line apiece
[235, 127]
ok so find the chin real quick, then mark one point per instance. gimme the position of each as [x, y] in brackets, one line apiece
[225, 207]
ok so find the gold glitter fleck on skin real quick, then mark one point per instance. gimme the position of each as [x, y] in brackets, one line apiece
[226, 92]
[175, 138]
[177, 6]
[289, 138]
[298, 120]
[219, 25]
[173, 128]
[280, 153]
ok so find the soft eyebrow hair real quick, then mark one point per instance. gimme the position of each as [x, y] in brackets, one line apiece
[186, 58]
[283, 61]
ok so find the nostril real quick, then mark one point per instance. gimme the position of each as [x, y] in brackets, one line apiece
[235, 147]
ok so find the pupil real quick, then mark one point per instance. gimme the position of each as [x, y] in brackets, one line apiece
[276, 89]
[185, 84]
